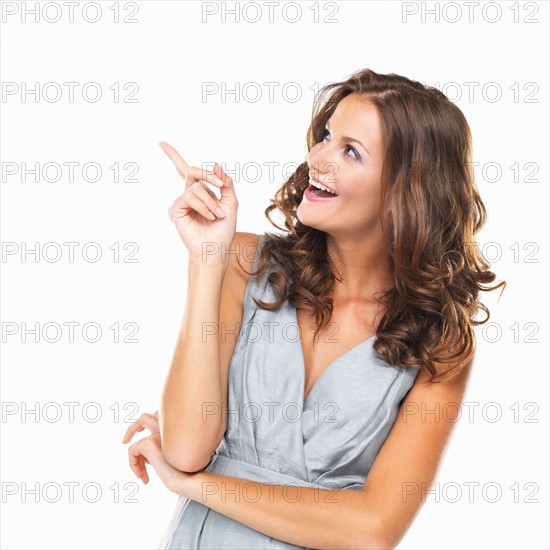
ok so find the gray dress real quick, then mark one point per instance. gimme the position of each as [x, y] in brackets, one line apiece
[329, 441]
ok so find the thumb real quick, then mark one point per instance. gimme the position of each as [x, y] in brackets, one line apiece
[228, 188]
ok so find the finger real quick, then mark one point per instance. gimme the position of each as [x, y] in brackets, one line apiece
[185, 170]
[150, 422]
[133, 458]
[181, 166]
[208, 198]
[131, 431]
[210, 192]
[144, 421]
[227, 189]
[198, 205]
[200, 174]
[189, 201]
[144, 474]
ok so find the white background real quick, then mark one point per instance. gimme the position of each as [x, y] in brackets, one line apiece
[169, 53]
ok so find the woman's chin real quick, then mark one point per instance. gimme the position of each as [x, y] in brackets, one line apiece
[306, 218]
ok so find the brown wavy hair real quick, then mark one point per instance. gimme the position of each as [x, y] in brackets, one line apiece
[430, 212]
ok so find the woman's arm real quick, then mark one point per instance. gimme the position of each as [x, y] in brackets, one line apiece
[309, 517]
[408, 461]
[377, 516]
[192, 413]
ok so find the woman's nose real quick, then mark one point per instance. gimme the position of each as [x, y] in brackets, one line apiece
[319, 161]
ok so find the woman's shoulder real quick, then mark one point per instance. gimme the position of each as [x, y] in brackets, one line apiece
[244, 248]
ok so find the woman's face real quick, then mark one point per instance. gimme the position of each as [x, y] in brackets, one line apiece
[350, 168]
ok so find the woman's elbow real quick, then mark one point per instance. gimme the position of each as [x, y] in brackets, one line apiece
[376, 537]
[180, 457]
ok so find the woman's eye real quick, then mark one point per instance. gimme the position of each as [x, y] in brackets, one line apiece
[355, 153]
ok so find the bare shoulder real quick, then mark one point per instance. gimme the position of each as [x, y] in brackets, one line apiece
[244, 248]
[458, 382]
[240, 259]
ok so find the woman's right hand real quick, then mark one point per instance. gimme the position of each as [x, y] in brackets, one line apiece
[149, 421]
[204, 237]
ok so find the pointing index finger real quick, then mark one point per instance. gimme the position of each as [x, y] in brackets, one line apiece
[181, 166]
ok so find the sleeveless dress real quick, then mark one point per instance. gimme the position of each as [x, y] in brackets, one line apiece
[329, 441]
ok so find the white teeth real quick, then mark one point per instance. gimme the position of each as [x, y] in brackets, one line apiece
[319, 186]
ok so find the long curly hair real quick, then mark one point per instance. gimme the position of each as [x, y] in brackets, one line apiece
[430, 213]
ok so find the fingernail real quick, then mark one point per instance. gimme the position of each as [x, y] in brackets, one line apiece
[219, 180]
[220, 212]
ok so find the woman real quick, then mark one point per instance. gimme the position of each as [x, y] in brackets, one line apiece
[380, 260]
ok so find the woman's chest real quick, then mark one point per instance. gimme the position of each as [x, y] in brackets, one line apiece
[347, 329]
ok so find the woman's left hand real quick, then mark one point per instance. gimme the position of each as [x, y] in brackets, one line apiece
[149, 451]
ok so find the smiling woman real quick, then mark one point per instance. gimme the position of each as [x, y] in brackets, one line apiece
[384, 204]
[405, 216]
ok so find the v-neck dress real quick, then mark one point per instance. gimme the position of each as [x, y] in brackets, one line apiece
[328, 442]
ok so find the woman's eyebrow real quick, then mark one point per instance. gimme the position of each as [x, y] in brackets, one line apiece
[347, 138]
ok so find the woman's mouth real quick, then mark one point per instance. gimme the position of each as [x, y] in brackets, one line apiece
[313, 193]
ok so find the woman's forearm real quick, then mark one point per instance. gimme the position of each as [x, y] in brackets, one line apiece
[304, 516]
[190, 414]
